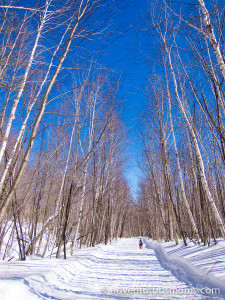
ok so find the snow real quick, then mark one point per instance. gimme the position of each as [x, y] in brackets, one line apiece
[119, 270]
[211, 259]
[15, 290]
[187, 272]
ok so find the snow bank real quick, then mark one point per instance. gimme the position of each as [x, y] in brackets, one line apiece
[11, 290]
[209, 258]
[184, 271]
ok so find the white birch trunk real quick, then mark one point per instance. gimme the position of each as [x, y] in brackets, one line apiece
[16, 101]
[194, 227]
[40, 114]
[215, 80]
[91, 135]
[197, 150]
[23, 127]
[212, 37]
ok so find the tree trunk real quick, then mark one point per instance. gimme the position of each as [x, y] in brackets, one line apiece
[197, 150]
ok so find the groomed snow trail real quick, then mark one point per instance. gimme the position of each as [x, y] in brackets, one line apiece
[116, 271]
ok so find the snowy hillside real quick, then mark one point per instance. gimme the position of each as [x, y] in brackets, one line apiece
[117, 271]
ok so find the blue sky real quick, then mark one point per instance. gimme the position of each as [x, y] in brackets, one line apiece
[124, 57]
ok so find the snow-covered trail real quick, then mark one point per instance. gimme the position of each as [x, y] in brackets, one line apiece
[116, 271]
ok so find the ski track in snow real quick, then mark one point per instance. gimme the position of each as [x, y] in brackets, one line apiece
[98, 273]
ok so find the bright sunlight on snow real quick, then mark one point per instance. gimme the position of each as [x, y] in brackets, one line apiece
[119, 270]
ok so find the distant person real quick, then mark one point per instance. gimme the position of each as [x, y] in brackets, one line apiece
[140, 244]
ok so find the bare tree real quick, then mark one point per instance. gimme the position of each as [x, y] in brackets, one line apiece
[72, 31]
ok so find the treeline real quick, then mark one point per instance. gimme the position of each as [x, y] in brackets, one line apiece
[62, 139]
[182, 132]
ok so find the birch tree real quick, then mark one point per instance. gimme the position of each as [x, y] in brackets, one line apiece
[71, 31]
[43, 21]
[182, 96]
[198, 153]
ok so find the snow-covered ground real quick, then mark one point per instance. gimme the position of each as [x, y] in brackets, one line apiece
[119, 271]
[211, 259]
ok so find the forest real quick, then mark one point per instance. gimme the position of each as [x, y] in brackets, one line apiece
[63, 140]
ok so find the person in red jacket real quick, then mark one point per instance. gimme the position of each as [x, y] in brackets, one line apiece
[140, 244]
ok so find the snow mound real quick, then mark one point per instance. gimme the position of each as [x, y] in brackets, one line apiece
[184, 271]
